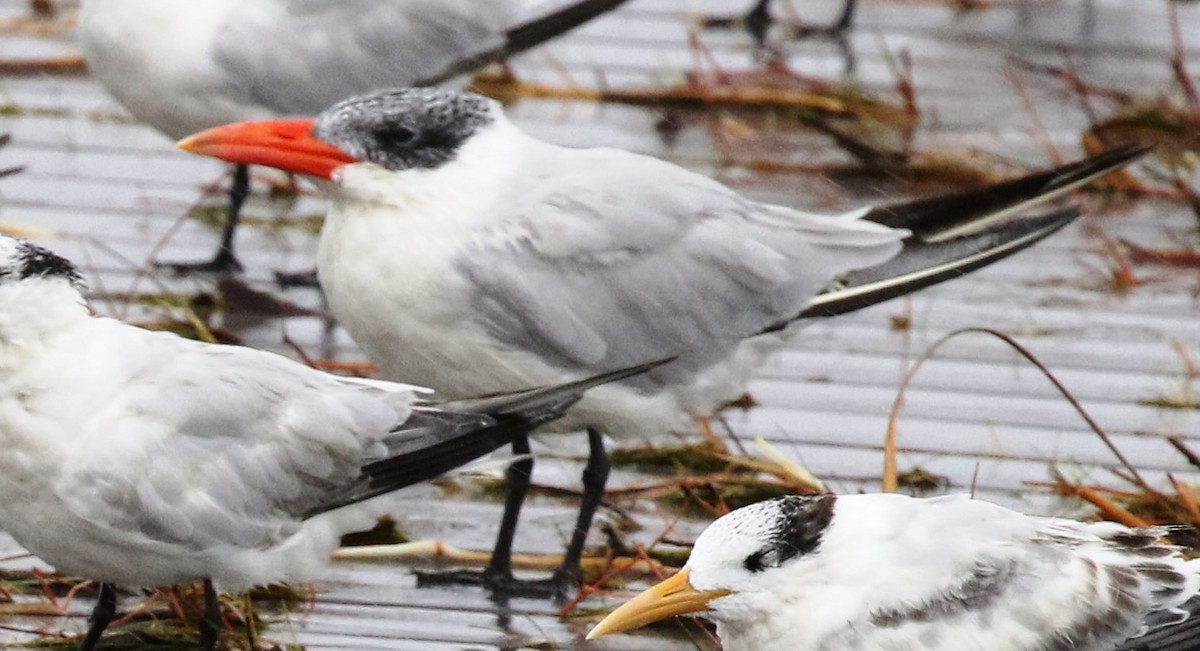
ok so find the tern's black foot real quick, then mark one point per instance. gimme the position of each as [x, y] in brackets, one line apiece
[223, 263]
[559, 587]
[287, 280]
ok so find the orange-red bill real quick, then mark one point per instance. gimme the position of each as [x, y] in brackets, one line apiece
[286, 144]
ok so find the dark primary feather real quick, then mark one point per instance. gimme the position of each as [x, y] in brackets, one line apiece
[957, 233]
[920, 264]
[434, 441]
[930, 218]
[530, 34]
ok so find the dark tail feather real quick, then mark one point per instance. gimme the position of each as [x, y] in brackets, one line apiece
[921, 264]
[953, 215]
[434, 441]
[530, 34]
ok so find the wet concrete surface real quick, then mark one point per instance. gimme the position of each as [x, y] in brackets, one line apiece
[114, 195]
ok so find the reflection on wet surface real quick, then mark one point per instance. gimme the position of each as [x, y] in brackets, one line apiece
[938, 97]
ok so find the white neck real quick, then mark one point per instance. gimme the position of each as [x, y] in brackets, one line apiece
[34, 312]
[426, 215]
[476, 172]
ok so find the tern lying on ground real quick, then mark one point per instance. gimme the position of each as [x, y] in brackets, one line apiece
[843, 573]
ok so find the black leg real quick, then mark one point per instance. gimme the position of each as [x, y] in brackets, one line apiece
[595, 477]
[498, 574]
[102, 615]
[224, 261]
[211, 623]
[287, 280]
[519, 476]
[846, 19]
[758, 21]
[238, 192]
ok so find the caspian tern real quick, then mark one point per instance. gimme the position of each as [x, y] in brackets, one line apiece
[142, 458]
[884, 571]
[186, 66]
[462, 253]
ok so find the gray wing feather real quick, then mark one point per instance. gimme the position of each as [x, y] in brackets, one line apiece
[299, 57]
[621, 258]
[221, 445]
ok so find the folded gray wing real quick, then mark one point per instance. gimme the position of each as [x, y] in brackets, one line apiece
[607, 259]
[203, 446]
[300, 56]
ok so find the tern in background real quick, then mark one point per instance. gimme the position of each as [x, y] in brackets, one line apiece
[466, 255]
[185, 66]
[142, 458]
[883, 571]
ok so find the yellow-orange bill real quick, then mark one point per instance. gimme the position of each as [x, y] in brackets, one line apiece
[675, 596]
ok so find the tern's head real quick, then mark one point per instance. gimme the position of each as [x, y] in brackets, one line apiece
[736, 564]
[409, 128]
[22, 262]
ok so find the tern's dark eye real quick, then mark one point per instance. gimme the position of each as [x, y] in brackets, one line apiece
[394, 137]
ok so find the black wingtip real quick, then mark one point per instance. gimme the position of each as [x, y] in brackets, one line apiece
[952, 215]
[922, 264]
[528, 35]
[456, 433]
[544, 28]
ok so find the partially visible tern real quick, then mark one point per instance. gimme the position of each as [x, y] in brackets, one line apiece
[850, 572]
[464, 254]
[142, 458]
[186, 66]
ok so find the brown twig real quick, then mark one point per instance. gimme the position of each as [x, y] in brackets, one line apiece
[1179, 61]
[1184, 450]
[890, 480]
[68, 66]
[1043, 133]
[1167, 257]
[1185, 498]
[1108, 508]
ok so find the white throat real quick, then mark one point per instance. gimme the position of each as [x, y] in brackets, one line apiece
[480, 167]
[36, 310]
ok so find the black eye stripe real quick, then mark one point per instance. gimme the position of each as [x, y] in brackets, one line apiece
[802, 521]
[407, 128]
[32, 261]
